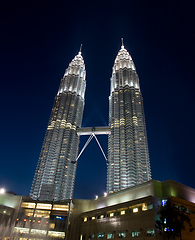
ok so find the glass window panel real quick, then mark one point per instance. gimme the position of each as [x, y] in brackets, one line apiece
[43, 206]
[150, 232]
[56, 234]
[38, 232]
[40, 214]
[21, 230]
[110, 235]
[122, 234]
[29, 212]
[100, 235]
[60, 207]
[136, 233]
[28, 205]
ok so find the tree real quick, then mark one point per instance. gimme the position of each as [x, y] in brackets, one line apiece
[172, 220]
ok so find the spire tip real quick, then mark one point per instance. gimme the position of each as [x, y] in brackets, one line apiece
[122, 42]
[80, 48]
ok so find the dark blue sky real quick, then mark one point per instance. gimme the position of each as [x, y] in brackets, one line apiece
[40, 38]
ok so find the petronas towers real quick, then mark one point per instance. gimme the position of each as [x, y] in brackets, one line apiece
[55, 174]
[128, 158]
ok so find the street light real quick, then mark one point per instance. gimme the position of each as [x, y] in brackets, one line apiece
[2, 191]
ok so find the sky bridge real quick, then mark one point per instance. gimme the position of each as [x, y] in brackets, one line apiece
[92, 132]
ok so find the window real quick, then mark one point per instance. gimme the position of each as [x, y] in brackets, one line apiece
[123, 212]
[150, 232]
[111, 214]
[38, 232]
[56, 234]
[136, 233]
[43, 206]
[100, 235]
[40, 214]
[150, 206]
[85, 219]
[110, 235]
[135, 210]
[122, 234]
[164, 201]
[91, 237]
[144, 207]
[60, 207]
[28, 205]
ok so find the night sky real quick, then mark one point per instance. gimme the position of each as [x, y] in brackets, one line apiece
[37, 42]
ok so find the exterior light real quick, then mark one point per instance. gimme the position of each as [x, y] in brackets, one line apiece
[2, 190]
[25, 220]
[96, 197]
[85, 219]
[105, 194]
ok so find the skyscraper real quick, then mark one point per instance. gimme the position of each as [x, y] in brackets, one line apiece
[128, 157]
[55, 174]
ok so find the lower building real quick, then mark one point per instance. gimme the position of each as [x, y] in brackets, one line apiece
[129, 213]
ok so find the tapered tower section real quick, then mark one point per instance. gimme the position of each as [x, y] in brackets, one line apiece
[55, 174]
[128, 157]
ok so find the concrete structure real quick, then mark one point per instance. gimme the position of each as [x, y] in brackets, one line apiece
[55, 174]
[9, 207]
[128, 213]
[128, 156]
[42, 220]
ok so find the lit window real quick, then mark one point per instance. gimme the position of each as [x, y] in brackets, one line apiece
[150, 232]
[40, 214]
[136, 233]
[60, 207]
[38, 232]
[28, 205]
[123, 212]
[43, 206]
[135, 210]
[122, 234]
[85, 219]
[29, 212]
[100, 235]
[52, 225]
[56, 234]
[110, 235]
[144, 207]
[21, 230]
[102, 216]
[93, 218]
[111, 214]
[164, 201]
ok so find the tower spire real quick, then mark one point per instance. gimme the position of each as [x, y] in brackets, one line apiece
[122, 43]
[80, 48]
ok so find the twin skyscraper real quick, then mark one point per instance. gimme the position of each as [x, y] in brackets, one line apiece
[128, 157]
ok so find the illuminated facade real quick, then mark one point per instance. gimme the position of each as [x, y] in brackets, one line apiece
[55, 174]
[128, 156]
